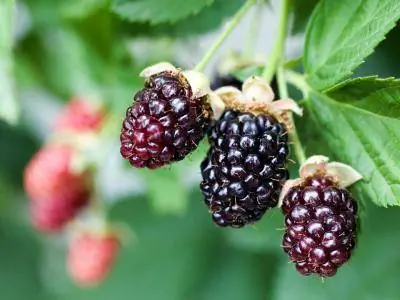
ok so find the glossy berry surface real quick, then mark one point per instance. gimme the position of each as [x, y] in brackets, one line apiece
[91, 257]
[245, 167]
[164, 124]
[321, 225]
[80, 116]
[56, 193]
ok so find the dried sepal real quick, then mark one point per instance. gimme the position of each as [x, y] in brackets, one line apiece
[158, 68]
[286, 187]
[344, 175]
[257, 89]
[312, 165]
[230, 92]
[286, 105]
[217, 105]
[198, 82]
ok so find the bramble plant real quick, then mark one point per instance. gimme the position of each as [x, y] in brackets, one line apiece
[302, 144]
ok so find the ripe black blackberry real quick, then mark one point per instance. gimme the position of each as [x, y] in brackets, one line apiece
[165, 123]
[244, 170]
[321, 225]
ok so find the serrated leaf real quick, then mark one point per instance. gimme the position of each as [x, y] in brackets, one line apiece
[208, 19]
[358, 88]
[341, 34]
[367, 141]
[158, 11]
[9, 108]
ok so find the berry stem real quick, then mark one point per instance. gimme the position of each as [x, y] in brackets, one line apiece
[252, 36]
[277, 52]
[294, 137]
[225, 33]
[298, 81]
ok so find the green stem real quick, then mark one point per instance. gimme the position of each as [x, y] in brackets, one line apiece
[277, 52]
[294, 137]
[227, 31]
[298, 81]
[252, 35]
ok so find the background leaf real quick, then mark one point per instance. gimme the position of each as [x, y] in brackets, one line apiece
[167, 182]
[9, 108]
[158, 11]
[341, 34]
[301, 11]
[208, 19]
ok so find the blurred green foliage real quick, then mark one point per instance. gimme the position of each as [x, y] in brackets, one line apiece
[82, 48]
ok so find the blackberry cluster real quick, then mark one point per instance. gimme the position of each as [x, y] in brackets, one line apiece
[165, 123]
[244, 170]
[321, 226]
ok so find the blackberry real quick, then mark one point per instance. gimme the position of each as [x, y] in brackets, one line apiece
[244, 170]
[321, 225]
[165, 123]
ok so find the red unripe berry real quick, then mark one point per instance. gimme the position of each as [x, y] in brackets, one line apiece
[80, 116]
[91, 257]
[55, 191]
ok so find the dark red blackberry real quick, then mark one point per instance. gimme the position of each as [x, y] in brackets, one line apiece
[165, 123]
[244, 170]
[321, 225]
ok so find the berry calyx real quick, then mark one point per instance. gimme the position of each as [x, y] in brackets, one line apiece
[167, 120]
[55, 191]
[91, 256]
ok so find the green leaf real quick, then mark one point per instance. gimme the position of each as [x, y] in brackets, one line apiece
[341, 34]
[71, 65]
[158, 11]
[210, 18]
[352, 90]
[264, 236]
[78, 9]
[371, 273]
[379, 96]
[361, 137]
[20, 255]
[247, 277]
[301, 11]
[166, 192]
[9, 108]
